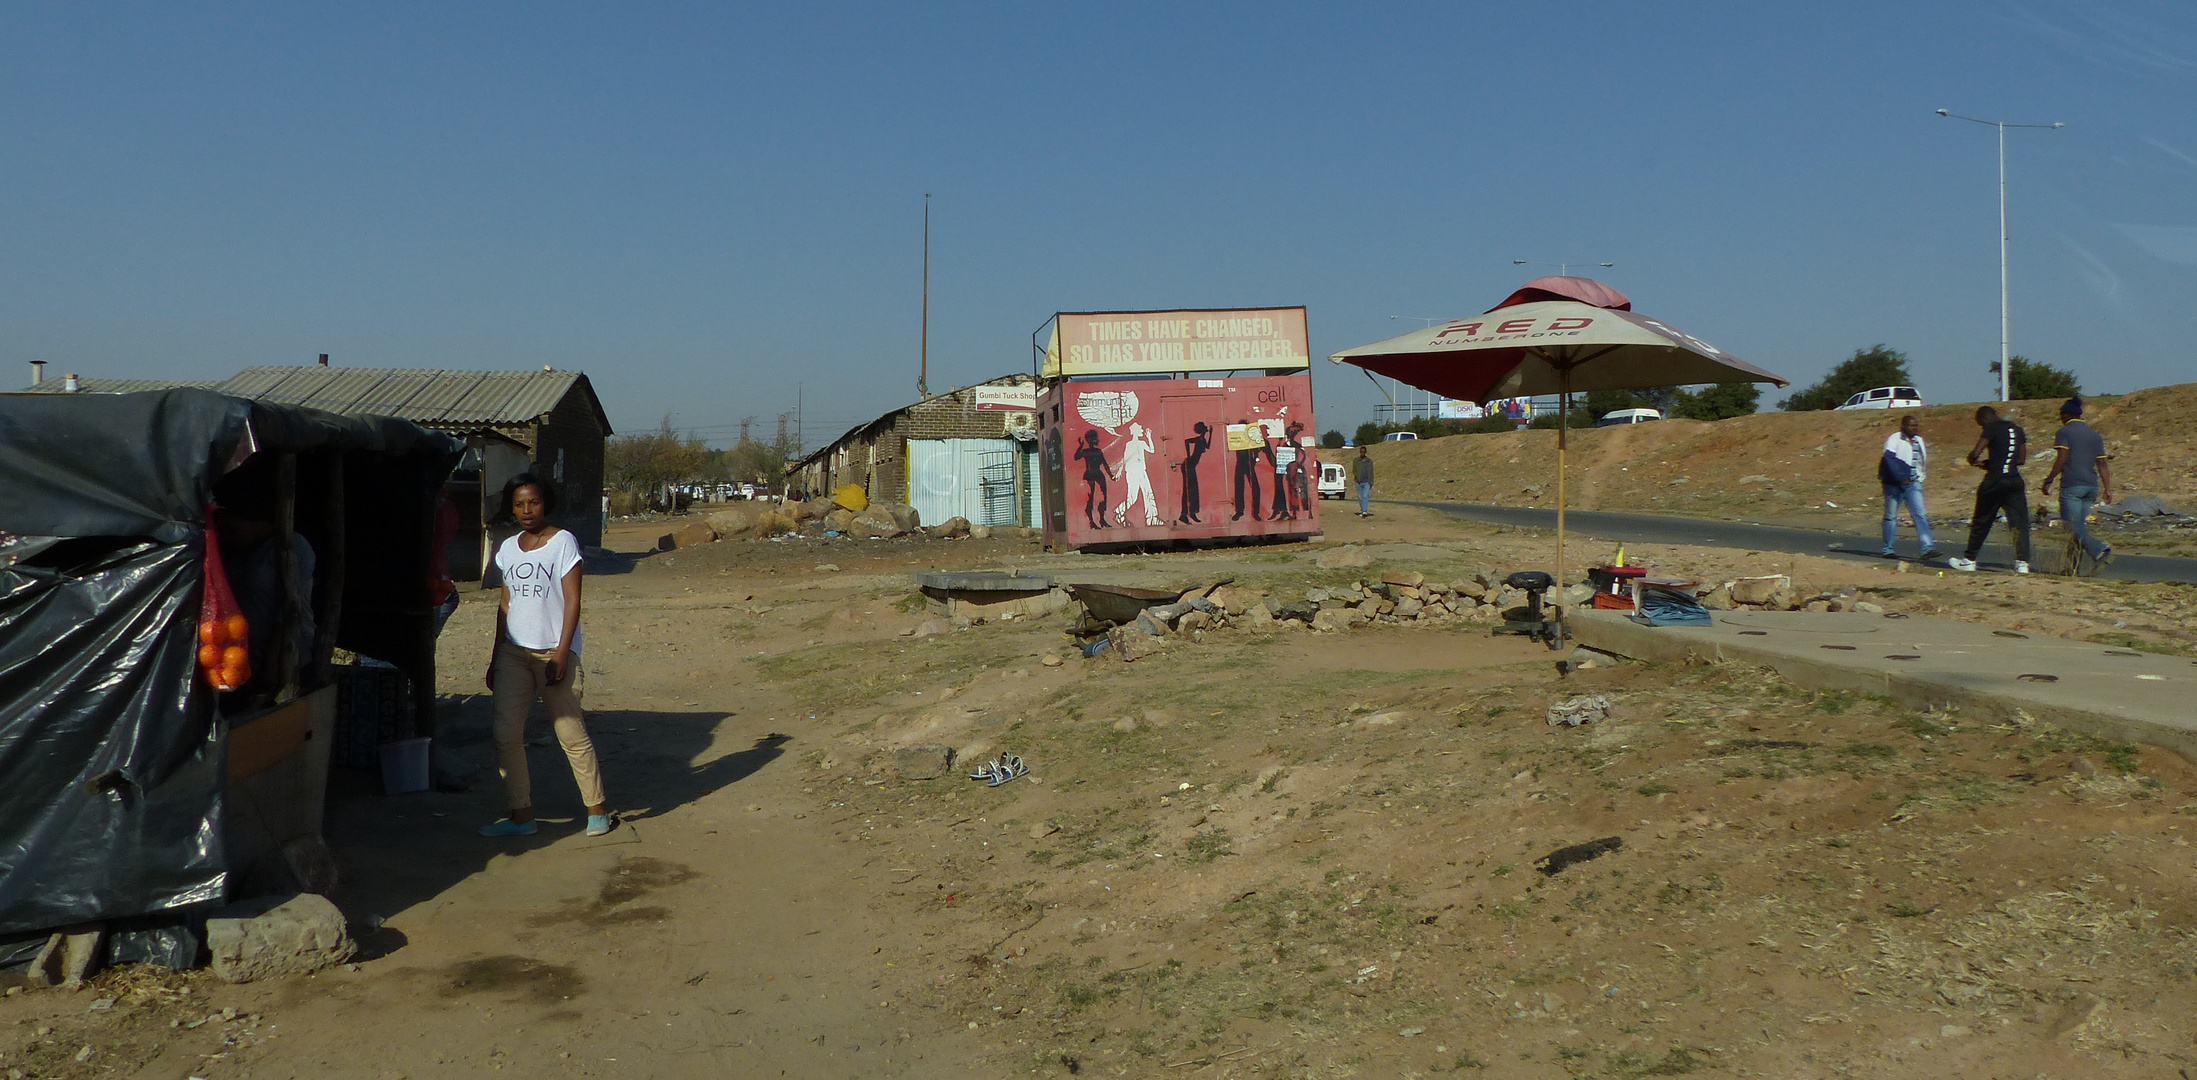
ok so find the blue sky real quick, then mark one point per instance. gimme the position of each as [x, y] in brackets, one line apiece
[705, 205]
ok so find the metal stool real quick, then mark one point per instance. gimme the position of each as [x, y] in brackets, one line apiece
[1531, 618]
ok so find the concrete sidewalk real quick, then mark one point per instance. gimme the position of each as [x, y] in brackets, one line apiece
[1924, 662]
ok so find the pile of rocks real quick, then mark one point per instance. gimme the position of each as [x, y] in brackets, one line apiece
[1775, 592]
[1399, 598]
[820, 518]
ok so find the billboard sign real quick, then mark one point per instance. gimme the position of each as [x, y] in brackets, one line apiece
[1450, 409]
[1017, 397]
[1168, 342]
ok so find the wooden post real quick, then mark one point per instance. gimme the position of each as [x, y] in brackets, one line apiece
[286, 561]
[330, 564]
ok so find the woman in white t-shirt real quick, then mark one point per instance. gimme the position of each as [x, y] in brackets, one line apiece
[537, 654]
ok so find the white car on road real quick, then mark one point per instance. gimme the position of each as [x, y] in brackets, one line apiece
[1885, 397]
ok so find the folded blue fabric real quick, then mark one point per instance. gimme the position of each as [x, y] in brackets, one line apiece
[1665, 607]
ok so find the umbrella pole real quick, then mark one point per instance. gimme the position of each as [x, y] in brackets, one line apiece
[1563, 422]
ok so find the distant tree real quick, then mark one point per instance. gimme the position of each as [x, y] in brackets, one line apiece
[1332, 440]
[1580, 418]
[1717, 402]
[1867, 369]
[1601, 403]
[650, 460]
[2033, 380]
[1368, 432]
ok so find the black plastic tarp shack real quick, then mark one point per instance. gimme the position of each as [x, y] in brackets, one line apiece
[112, 748]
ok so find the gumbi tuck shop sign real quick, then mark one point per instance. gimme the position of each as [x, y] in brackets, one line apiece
[1157, 342]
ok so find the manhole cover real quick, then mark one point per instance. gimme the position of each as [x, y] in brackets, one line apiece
[2121, 652]
[2152, 678]
[1756, 633]
[1895, 614]
[2007, 633]
[2033, 677]
[1903, 656]
[1841, 648]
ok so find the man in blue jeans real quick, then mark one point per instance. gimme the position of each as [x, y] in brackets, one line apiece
[1901, 471]
[2085, 478]
[1365, 483]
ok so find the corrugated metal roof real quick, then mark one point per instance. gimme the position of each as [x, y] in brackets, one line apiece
[112, 386]
[436, 398]
[426, 396]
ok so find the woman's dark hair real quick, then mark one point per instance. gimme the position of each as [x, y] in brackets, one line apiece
[526, 479]
[1090, 438]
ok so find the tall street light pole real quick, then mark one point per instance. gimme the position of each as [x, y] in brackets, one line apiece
[923, 373]
[2006, 366]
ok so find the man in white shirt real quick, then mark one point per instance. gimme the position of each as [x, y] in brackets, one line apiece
[1906, 460]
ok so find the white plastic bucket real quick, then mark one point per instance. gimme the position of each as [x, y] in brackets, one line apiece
[404, 766]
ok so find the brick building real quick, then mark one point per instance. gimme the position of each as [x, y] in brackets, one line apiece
[969, 453]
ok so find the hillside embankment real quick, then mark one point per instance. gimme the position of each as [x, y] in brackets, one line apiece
[1817, 468]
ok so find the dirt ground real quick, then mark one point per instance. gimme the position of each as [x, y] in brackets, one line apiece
[1266, 853]
[1815, 468]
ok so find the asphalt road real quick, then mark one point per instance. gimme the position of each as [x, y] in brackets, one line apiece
[1668, 529]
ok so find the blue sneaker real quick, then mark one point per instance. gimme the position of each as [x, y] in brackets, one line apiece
[508, 827]
[598, 824]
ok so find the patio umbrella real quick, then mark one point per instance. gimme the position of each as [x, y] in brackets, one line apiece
[1555, 335]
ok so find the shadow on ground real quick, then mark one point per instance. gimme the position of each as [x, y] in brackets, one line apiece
[399, 851]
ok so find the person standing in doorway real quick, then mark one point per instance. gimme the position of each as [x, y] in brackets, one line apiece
[2085, 479]
[2000, 452]
[1906, 460]
[536, 654]
[1365, 483]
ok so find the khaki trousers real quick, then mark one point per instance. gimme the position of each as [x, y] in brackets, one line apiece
[521, 676]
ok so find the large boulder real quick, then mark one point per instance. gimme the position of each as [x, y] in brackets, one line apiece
[874, 522]
[733, 520]
[1343, 557]
[803, 510]
[259, 939]
[691, 534]
[773, 523]
[905, 516]
[839, 520]
[1757, 591]
[954, 528]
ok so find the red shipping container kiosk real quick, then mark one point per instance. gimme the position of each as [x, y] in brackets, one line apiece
[1139, 448]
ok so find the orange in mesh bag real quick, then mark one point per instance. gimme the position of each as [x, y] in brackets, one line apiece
[224, 655]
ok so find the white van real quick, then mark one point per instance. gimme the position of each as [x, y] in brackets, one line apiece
[1333, 480]
[1402, 436]
[1618, 417]
[1885, 397]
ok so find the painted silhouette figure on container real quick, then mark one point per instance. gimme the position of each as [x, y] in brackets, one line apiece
[1193, 449]
[1247, 467]
[1094, 480]
[1136, 480]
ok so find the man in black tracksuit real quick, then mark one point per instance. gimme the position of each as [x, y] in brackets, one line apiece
[2000, 452]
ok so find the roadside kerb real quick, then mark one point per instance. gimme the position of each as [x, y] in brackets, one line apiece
[1923, 662]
